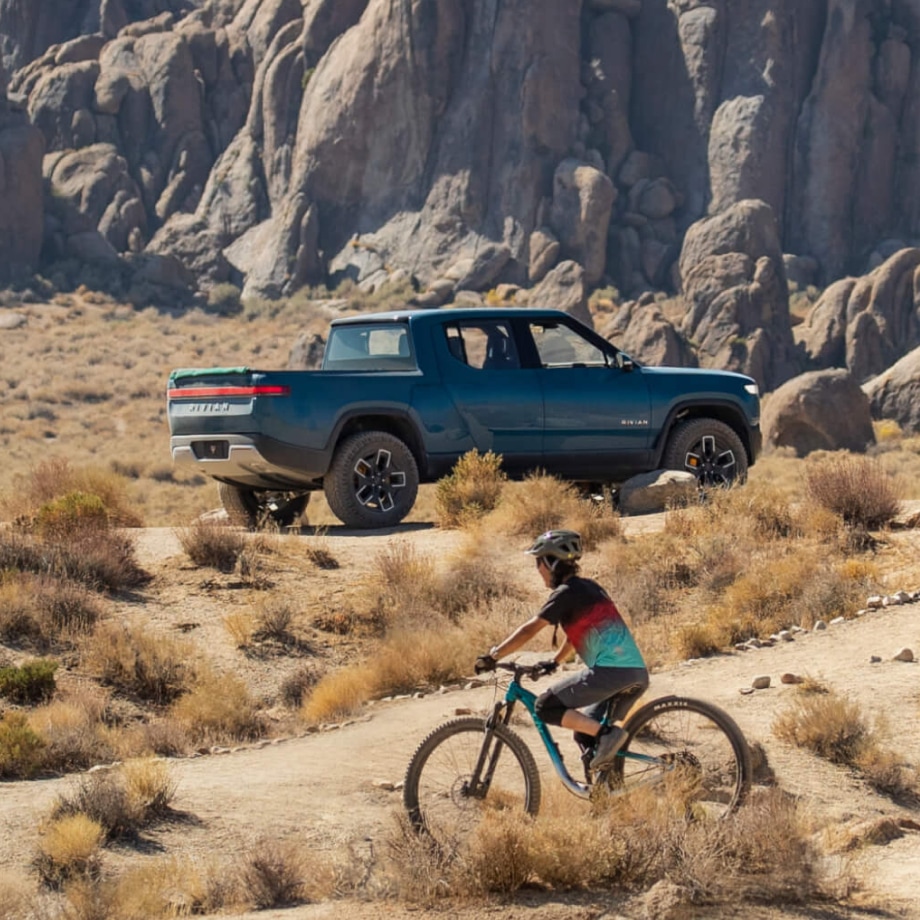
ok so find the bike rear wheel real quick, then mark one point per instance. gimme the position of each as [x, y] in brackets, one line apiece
[687, 747]
[441, 794]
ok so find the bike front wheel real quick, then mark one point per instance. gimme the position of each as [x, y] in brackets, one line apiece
[461, 771]
[688, 747]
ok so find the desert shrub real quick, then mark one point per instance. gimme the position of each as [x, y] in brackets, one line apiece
[73, 512]
[211, 544]
[472, 488]
[17, 896]
[99, 559]
[295, 687]
[154, 668]
[43, 611]
[274, 619]
[543, 502]
[31, 682]
[74, 731]
[241, 625]
[224, 300]
[274, 874]
[339, 694]
[835, 728]
[218, 708]
[827, 724]
[69, 848]
[858, 489]
[121, 801]
[55, 478]
[21, 748]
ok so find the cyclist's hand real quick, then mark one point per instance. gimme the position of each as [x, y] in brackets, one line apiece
[484, 663]
[546, 667]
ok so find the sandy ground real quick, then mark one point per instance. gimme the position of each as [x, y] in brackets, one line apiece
[334, 785]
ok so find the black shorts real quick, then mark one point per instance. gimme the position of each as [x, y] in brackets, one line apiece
[590, 689]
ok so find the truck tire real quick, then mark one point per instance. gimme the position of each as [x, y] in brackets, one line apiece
[709, 449]
[255, 509]
[373, 480]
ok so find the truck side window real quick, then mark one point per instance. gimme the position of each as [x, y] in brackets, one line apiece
[483, 345]
[559, 345]
[369, 347]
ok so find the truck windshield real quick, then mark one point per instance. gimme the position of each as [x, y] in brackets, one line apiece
[370, 347]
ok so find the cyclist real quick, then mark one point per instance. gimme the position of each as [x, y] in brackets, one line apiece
[595, 630]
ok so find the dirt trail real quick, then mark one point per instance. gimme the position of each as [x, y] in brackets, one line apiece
[332, 784]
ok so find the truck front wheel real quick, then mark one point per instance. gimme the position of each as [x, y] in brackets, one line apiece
[373, 480]
[709, 449]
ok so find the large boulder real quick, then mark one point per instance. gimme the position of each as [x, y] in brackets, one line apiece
[656, 491]
[639, 328]
[818, 410]
[867, 324]
[580, 215]
[21, 224]
[563, 288]
[734, 284]
[895, 394]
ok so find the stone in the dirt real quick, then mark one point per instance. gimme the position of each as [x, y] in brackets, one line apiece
[384, 785]
[820, 625]
[875, 659]
[874, 601]
[791, 679]
[463, 711]
[761, 683]
[837, 621]
[891, 600]
[905, 654]
[746, 691]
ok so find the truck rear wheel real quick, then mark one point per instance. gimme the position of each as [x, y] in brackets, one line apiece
[255, 509]
[709, 449]
[373, 480]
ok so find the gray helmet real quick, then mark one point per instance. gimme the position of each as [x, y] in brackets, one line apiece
[557, 545]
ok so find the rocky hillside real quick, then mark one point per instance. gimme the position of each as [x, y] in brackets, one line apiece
[540, 148]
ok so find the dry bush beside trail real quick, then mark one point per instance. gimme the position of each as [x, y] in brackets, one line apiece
[122, 800]
[858, 489]
[69, 848]
[834, 728]
[74, 731]
[275, 874]
[217, 545]
[218, 708]
[542, 502]
[470, 490]
[151, 667]
[52, 480]
[17, 896]
[21, 747]
[765, 853]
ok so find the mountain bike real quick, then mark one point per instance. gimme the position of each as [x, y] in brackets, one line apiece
[470, 764]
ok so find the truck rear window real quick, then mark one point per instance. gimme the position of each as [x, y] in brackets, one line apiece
[370, 347]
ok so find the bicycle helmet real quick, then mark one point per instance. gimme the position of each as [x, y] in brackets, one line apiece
[557, 545]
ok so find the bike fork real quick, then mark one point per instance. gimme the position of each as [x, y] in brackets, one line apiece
[487, 761]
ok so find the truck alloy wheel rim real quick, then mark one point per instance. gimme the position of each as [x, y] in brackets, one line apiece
[376, 481]
[711, 466]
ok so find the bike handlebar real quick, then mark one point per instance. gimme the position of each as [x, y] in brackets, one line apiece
[533, 671]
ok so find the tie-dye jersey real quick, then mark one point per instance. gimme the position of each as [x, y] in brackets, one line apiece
[593, 624]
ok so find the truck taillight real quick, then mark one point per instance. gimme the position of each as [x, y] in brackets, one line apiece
[208, 392]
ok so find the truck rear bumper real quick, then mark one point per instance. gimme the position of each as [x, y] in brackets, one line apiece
[258, 462]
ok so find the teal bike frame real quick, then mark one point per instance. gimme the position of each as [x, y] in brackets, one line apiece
[502, 713]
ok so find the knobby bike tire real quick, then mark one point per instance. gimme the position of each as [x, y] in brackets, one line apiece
[700, 743]
[433, 793]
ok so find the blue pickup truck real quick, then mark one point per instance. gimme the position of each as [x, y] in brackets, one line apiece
[401, 396]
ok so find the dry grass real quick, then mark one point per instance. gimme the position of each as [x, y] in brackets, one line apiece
[142, 664]
[541, 502]
[74, 731]
[216, 545]
[69, 848]
[834, 727]
[121, 801]
[217, 709]
[274, 874]
[765, 853]
[473, 488]
[17, 896]
[21, 747]
[858, 489]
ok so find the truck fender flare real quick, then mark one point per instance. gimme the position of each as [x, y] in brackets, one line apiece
[396, 421]
[724, 411]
